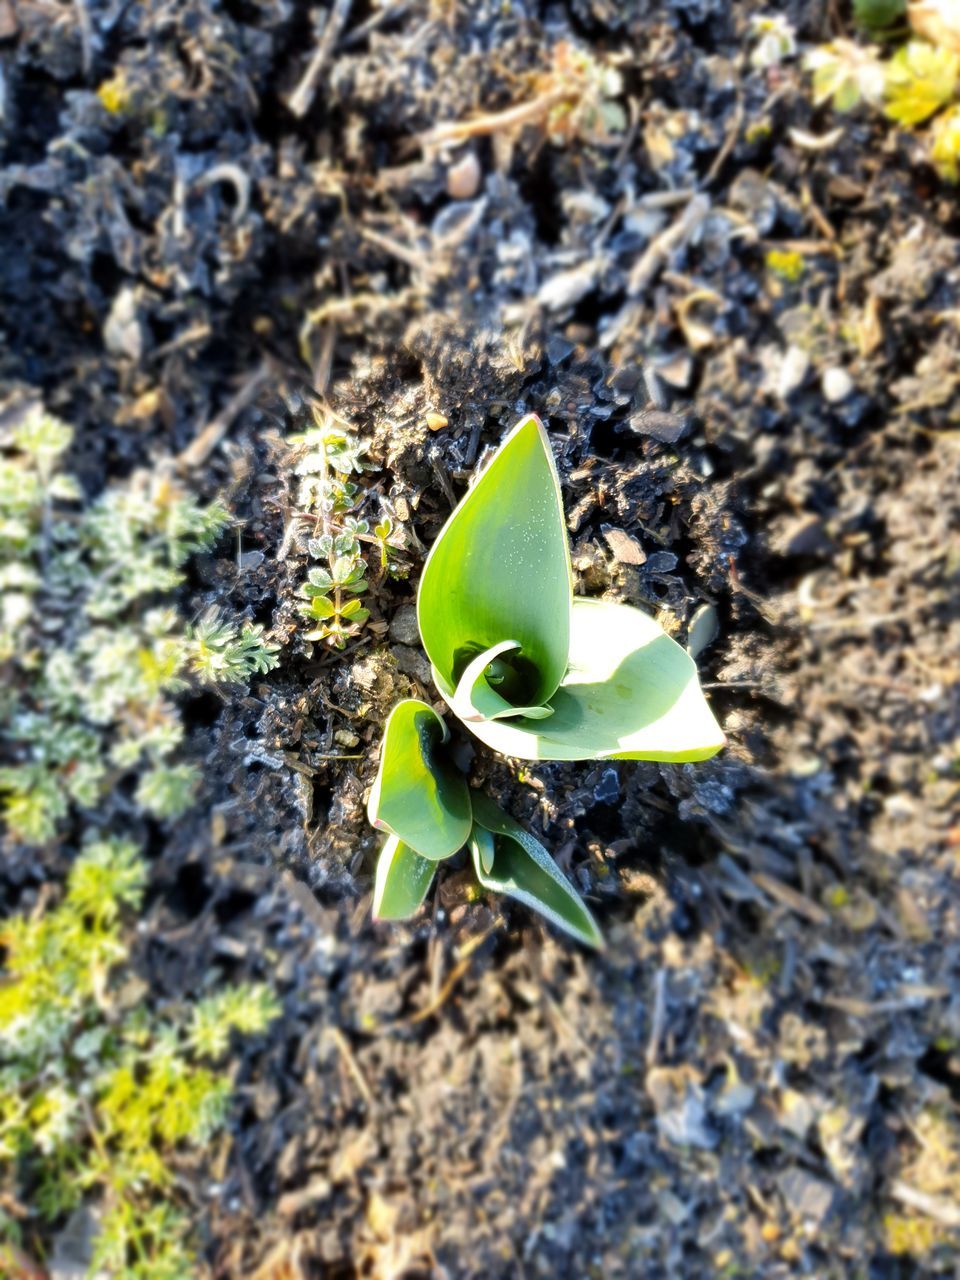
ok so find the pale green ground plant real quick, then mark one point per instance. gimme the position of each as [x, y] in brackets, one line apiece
[99, 1093]
[94, 655]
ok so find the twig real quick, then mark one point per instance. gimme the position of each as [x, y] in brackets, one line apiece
[301, 100]
[86, 35]
[413, 258]
[943, 1211]
[791, 898]
[343, 1045]
[659, 1017]
[196, 454]
[729, 142]
[497, 121]
[376, 20]
[658, 251]
[434, 1005]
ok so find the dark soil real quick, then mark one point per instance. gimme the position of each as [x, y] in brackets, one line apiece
[761, 1075]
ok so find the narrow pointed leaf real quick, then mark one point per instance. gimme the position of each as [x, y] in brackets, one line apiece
[630, 693]
[523, 869]
[418, 795]
[477, 699]
[501, 568]
[402, 882]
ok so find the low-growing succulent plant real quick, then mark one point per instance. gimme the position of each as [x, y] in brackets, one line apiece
[99, 1093]
[91, 656]
[534, 672]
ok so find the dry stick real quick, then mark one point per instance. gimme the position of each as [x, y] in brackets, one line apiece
[512, 118]
[941, 1210]
[729, 142]
[659, 250]
[359, 1079]
[659, 1018]
[413, 258]
[196, 454]
[86, 35]
[301, 100]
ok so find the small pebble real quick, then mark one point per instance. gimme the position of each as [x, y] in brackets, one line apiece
[403, 625]
[836, 384]
[463, 178]
[794, 368]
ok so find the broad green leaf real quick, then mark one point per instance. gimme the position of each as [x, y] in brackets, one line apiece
[478, 696]
[524, 870]
[920, 78]
[418, 795]
[402, 882]
[877, 15]
[501, 568]
[630, 693]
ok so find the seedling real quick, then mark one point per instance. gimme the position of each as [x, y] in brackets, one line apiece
[533, 672]
[327, 496]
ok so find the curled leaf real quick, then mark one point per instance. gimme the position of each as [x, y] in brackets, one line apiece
[417, 795]
[630, 693]
[478, 696]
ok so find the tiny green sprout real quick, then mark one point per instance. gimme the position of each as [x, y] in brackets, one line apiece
[536, 674]
[382, 532]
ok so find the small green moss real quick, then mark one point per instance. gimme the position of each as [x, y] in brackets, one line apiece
[786, 264]
[837, 897]
[95, 1096]
[758, 131]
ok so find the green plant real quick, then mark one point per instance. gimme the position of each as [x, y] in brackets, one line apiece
[327, 496]
[776, 40]
[98, 1093]
[879, 15]
[535, 673]
[945, 144]
[919, 80]
[846, 74]
[93, 661]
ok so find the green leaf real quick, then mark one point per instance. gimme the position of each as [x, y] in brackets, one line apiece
[485, 849]
[402, 882]
[920, 79]
[417, 795]
[876, 15]
[631, 693]
[501, 568]
[477, 696]
[319, 607]
[524, 870]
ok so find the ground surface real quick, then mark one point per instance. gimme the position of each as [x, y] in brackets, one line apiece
[760, 1077]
